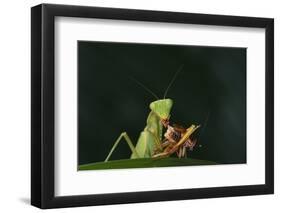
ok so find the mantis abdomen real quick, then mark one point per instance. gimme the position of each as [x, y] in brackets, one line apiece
[150, 138]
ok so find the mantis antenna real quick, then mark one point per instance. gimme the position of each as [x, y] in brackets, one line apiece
[146, 88]
[173, 79]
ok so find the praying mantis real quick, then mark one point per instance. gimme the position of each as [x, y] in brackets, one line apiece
[151, 143]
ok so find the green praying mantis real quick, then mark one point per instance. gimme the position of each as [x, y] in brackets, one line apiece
[151, 143]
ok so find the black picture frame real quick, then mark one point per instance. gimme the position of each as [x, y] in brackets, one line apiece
[43, 114]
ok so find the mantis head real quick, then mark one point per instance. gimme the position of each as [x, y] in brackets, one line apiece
[162, 108]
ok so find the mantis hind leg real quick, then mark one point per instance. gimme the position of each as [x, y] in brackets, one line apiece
[129, 142]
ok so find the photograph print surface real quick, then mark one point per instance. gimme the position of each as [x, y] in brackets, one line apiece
[155, 105]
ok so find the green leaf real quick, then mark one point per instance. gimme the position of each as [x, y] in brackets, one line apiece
[145, 163]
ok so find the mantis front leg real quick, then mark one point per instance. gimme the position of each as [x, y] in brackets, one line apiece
[129, 142]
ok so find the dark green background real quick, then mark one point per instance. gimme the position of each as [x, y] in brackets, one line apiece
[213, 80]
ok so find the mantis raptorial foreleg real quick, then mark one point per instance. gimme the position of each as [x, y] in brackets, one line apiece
[129, 142]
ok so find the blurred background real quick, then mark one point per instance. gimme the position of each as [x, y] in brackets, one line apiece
[210, 90]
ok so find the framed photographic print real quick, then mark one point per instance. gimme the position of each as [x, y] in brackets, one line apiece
[140, 106]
